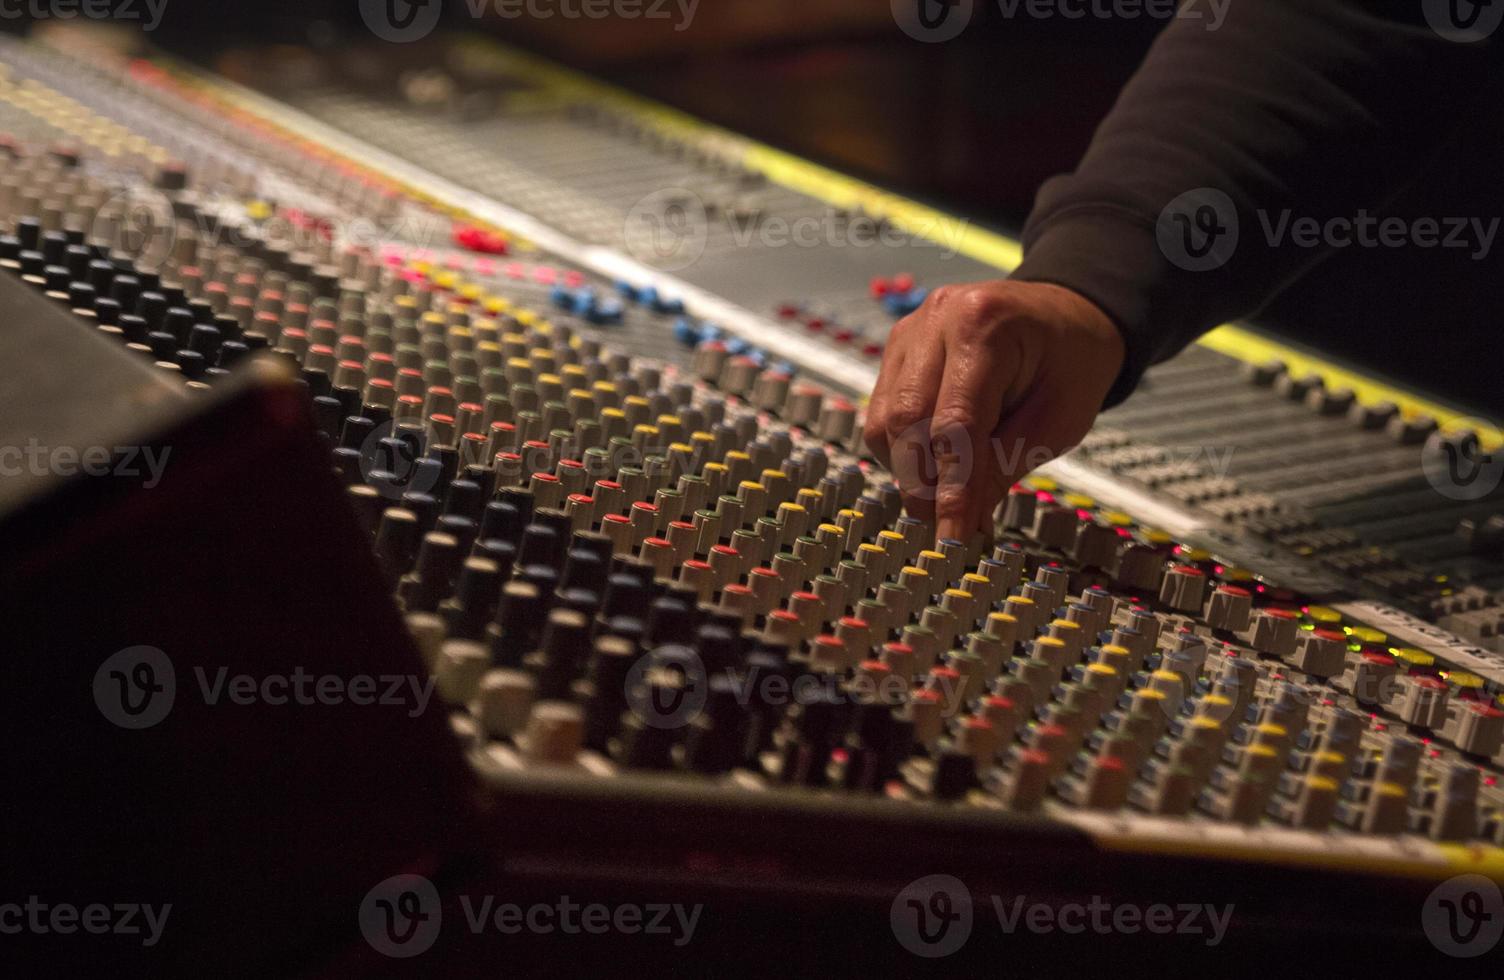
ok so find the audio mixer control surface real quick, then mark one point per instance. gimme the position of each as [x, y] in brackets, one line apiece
[625, 509]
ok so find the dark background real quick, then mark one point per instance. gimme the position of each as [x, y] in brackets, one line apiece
[974, 125]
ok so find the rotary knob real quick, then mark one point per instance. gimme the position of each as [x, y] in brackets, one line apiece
[1054, 527]
[804, 405]
[1140, 567]
[770, 390]
[1018, 511]
[1320, 653]
[837, 420]
[1230, 608]
[1274, 633]
[710, 359]
[1183, 588]
[1095, 544]
[738, 375]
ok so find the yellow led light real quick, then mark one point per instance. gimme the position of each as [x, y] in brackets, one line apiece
[1412, 656]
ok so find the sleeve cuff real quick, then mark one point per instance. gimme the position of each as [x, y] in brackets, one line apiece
[1112, 258]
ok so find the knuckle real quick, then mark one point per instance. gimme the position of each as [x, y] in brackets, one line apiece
[955, 419]
[901, 329]
[983, 305]
[950, 499]
[942, 296]
[906, 412]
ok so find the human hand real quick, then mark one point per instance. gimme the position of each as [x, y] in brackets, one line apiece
[982, 383]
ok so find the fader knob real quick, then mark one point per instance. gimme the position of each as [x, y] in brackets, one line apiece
[1375, 416]
[1297, 389]
[1330, 401]
[1480, 728]
[1183, 588]
[1274, 633]
[1320, 653]
[1412, 431]
[1455, 816]
[1229, 608]
[1265, 373]
[1423, 701]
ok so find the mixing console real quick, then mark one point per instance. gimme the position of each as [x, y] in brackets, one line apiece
[627, 515]
[1353, 505]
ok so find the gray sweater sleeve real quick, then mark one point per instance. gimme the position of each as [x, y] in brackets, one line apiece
[1183, 212]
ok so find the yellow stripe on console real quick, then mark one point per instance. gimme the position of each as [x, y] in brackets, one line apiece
[1246, 345]
[823, 184]
[1409, 857]
[839, 190]
[949, 231]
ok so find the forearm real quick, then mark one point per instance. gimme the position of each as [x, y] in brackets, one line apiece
[1322, 108]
